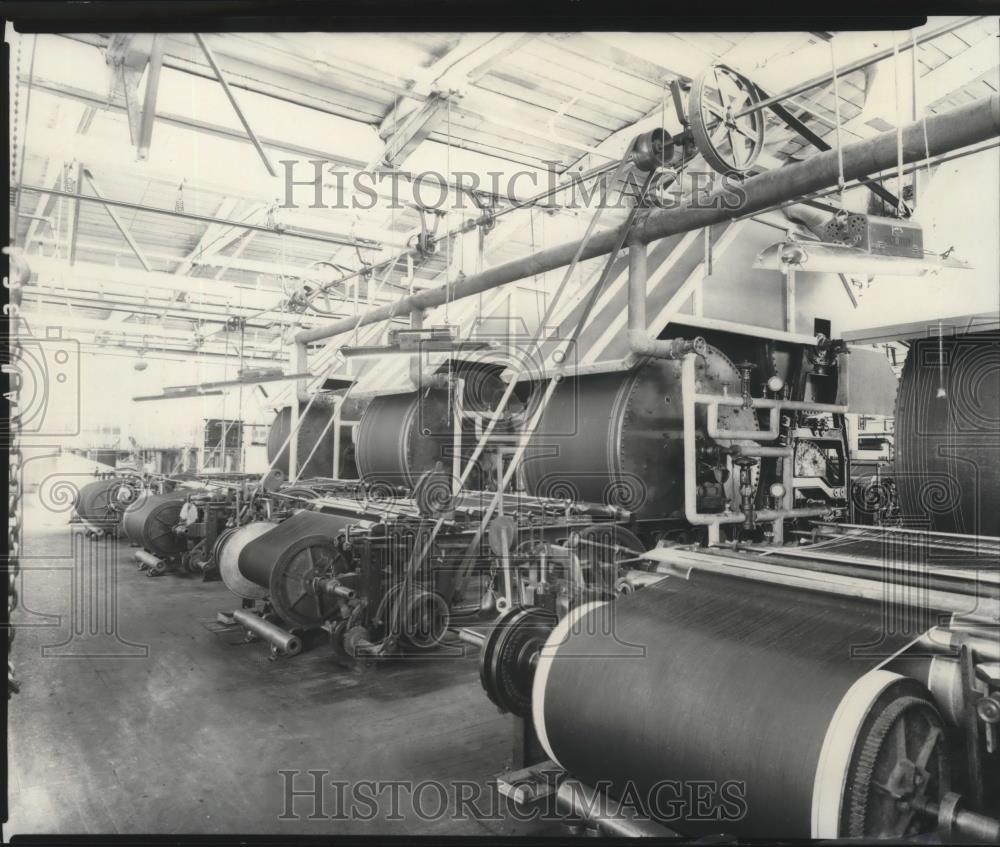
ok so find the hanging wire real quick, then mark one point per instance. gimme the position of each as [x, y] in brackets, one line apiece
[900, 205]
[923, 111]
[836, 113]
[447, 243]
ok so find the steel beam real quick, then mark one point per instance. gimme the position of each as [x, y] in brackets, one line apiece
[108, 207]
[191, 216]
[235, 104]
[961, 127]
[860, 64]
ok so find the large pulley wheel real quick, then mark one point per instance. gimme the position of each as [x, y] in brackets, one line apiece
[507, 660]
[900, 763]
[294, 590]
[728, 143]
[423, 615]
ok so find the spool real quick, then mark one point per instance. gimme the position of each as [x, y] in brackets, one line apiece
[150, 523]
[725, 681]
[617, 438]
[947, 444]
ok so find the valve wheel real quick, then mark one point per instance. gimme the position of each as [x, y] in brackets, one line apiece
[900, 762]
[729, 144]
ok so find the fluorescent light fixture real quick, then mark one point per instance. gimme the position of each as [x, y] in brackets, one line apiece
[820, 257]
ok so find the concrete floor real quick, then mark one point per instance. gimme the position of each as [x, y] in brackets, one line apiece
[150, 720]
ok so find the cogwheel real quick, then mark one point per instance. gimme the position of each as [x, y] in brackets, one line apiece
[901, 754]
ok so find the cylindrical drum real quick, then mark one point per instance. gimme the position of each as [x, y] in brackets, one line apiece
[760, 694]
[315, 428]
[150, 523]
[227, 556]
[948, 434]
[403, 435]
[97, 504]
[287, 561]
[617, 438]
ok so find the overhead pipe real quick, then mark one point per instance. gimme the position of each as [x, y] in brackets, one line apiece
[640, 342]
[961, 127]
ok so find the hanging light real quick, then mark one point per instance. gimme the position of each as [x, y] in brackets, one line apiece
[140, 363]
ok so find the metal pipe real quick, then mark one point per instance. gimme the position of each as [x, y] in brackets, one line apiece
[679, 561]
[283, 640]
[581, 801]
[985, 648]
[713, 401]
[961, 127]
[147, 559]
[759, 451]
[640, 342]
[472, 636]
[713, 520]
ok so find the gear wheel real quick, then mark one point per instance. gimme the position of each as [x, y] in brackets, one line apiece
[901, 755]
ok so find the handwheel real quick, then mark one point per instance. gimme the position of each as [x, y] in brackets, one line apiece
[729, 144]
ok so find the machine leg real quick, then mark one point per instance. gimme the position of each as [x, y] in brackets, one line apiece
[526, 749]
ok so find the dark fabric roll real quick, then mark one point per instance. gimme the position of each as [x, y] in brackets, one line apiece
[260, 556]
[948, 434]
[712, 679]
[150, 523]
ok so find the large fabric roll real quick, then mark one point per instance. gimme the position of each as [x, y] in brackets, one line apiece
[717, 680]
[948, 434]
[95, 503]
[150, 523]
[288, 559]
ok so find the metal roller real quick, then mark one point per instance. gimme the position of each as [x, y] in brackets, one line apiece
[947, 443]
[227, 555]
[724, 680]
[401, 436]
[316, 427]
[617, 438]
[150, 523]
[288, 561]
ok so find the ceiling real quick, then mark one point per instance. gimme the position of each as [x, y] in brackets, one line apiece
[542, 106]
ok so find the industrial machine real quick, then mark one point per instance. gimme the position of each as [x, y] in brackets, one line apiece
[682, 600]
[100, 504]
[844, 686]
[177, 522]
